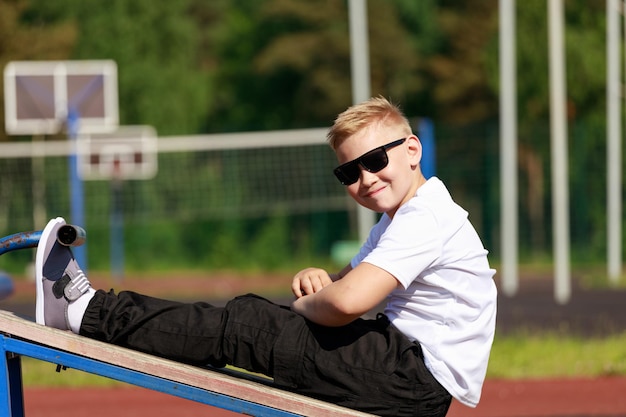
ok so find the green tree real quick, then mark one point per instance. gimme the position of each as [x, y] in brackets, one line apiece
[585, 32]
[458, 66]
[22, 38]
[156, 49]
[286, 63]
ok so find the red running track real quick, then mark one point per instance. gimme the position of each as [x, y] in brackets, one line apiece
[602, 397]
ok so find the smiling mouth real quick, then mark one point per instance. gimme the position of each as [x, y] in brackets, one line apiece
[374, 192]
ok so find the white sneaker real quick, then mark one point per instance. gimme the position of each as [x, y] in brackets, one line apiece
[59, 279]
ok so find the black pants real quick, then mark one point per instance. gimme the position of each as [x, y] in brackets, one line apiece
[367, 365]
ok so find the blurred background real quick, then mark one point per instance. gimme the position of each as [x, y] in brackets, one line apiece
[195, 68]
[238, 192]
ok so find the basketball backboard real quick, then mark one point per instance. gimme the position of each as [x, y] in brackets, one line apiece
[39, 96]
[128, 153]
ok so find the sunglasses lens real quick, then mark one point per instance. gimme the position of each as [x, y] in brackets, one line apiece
[348, 173]
[375, 160]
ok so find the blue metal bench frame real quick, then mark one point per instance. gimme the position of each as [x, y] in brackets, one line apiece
[11, 387]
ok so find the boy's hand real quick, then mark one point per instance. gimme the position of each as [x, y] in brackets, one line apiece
[350, 296]
[309, 281]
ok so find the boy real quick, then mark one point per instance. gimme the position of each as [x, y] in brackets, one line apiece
[424, 257]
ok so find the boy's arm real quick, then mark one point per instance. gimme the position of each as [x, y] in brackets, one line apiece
[341, 273]
[346, 299]
[311, 280]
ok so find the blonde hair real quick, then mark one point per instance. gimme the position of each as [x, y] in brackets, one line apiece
[365, 114]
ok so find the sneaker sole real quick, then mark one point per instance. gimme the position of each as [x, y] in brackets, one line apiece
[52, 227]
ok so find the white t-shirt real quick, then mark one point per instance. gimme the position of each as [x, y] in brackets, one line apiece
[447, 298]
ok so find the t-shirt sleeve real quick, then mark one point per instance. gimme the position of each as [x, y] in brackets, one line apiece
[372, 240]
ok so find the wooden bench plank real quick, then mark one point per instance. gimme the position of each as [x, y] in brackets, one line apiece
[206, 379]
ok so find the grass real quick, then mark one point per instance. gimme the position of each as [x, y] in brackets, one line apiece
[520, 356]
[36, 373]
[555, 355]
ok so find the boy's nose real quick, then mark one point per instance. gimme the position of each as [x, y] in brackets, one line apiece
[367, 177]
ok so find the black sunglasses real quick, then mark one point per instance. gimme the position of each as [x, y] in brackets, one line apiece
[372, 161]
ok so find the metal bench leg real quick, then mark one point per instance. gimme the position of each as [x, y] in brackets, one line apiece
[11, 392]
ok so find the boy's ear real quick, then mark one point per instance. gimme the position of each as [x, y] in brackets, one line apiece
[414, 148]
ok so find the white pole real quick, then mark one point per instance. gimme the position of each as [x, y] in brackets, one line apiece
[558, 134]
[614, 151]
[508, 149]
[359, 53]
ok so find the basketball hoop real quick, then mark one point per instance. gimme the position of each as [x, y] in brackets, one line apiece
[129, 153]
[40, 96]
